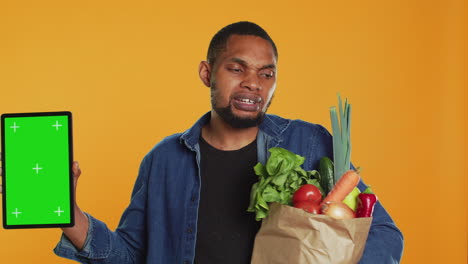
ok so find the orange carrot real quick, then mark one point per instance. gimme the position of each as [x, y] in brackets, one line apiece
[343, 187]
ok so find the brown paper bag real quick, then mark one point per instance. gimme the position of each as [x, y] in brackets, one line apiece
[290, 235]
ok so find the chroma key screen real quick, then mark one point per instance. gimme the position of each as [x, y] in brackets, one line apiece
[37, 156]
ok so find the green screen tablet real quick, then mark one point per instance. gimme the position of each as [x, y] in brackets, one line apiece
[37, 170]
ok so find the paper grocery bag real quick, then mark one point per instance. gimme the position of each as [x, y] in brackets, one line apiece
[290, 235]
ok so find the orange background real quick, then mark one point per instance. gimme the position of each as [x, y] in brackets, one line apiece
[128, 72]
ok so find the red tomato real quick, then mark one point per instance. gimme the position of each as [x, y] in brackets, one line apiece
[308, 206]
[307, 192]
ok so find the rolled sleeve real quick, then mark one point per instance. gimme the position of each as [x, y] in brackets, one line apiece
[95, 247]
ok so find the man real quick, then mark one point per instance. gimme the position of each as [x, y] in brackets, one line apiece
[190, 198]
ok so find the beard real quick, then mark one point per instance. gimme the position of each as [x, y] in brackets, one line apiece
[230, 118]
[236, 121]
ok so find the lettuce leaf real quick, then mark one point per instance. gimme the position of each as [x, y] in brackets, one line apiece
[278, 179]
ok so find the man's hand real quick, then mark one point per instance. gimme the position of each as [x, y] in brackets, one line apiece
[77, 234]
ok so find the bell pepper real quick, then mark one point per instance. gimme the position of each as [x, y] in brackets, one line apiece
[366, 202]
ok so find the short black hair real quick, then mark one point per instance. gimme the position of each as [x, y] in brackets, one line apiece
[219, 40]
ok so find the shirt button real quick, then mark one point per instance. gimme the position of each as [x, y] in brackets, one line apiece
[193, 199]
[186, 262]
[189, 230]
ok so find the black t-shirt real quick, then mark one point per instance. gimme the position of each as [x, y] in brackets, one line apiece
[226, 231]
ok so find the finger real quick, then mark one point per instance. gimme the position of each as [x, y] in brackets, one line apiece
[1, 171]
[1, 188]
[76, 169]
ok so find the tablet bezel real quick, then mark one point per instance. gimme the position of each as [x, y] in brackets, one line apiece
[5, 169]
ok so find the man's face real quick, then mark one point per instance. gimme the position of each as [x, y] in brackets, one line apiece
[243, 80]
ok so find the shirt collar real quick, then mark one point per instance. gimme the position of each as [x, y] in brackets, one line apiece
[272, 126]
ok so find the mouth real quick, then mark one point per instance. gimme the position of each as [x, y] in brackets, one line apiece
[247, 102]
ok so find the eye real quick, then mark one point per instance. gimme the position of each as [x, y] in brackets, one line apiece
[267, 74]
[234, 69]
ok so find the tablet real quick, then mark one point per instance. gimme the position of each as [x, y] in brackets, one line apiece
[37, 160]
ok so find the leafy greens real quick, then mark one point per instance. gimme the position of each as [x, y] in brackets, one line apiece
[278, 179]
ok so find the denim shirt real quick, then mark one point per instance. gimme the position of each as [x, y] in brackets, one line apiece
[160, 224]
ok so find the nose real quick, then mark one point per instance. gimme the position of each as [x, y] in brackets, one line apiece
[251, 82]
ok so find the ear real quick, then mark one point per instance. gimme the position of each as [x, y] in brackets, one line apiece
[204, 71]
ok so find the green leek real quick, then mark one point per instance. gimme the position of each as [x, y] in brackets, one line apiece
[341, 126]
